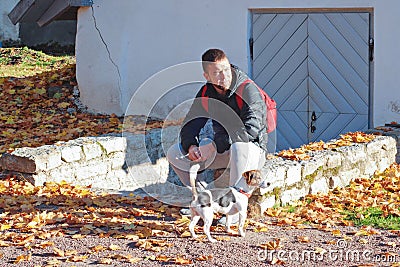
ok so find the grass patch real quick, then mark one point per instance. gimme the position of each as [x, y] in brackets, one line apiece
[373, 216]
[22, 62]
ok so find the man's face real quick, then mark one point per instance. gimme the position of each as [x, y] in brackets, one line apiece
[219, 74]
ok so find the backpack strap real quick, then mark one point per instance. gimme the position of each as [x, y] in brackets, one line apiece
[239, 93]
[204, 98]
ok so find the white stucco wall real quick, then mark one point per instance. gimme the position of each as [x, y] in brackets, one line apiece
[122, 44]
[7, 29]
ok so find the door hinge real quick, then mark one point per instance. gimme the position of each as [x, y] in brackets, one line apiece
[371, 49]
[251, 43]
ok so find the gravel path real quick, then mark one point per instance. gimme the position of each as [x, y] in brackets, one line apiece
[341, 246]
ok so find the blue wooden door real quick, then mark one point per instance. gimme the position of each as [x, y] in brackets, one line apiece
[317, 67]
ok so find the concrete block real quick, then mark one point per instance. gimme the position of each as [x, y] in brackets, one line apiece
[348, 175]
[71, 153]
[117, 160]
[320, 186]
[92, 150]
[112, 143]
[333, 160]
[293, 173]
[266, 203]
[92, 169]
[40, 178]
[274, 172]
[352, 154]
[65, 172]
[290, 195]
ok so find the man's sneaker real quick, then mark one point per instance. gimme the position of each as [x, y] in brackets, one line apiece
[185, 211]
[235, 219]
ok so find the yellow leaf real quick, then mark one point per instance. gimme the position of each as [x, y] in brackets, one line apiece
[63, 105]
[59, 252]
[319, 250]
[204, 258]
[162, 258]
[77, 236]
[77, 258]
[97, 248]
[276, 261]
[114, 247]
[392, 244]
[32, 224]
[40, 91]
[272, 245]
[71, 252]
[303, 239]
[336, 232]
[53, 262]
[5, 227]
[22, 258]
[186, 234]
[181, 261]
[132, 237]
[45, 244]
[3, 244]
[105, 261]
[10, 120]
[134, 260]
[261, 229]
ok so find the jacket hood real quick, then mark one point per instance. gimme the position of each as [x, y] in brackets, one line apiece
[238, 77]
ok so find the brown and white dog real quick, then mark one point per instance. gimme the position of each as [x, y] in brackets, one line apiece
[228, 201]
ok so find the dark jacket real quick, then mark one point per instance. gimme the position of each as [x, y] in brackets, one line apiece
[230, 124]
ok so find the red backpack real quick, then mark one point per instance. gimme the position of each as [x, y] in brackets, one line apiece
[269, 102]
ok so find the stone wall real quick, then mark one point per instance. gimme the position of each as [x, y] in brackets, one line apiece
[124, 162]
[292, 180]
[135, 162]
[389, 130]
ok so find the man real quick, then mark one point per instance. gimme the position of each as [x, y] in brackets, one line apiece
[240, 138]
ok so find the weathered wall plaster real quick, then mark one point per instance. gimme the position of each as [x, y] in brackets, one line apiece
[119, 47]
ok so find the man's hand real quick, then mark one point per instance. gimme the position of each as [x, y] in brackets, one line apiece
[204, 152]
[194, 153]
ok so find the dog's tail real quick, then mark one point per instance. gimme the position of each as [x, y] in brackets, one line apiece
[192, 176]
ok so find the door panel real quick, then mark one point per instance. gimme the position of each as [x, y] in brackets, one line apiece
[315, 62]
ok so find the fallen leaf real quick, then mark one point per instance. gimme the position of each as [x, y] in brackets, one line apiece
[303, 239]
[105, 261]
[59, 252]
[22, 258]
[114, 247]
[204, 258]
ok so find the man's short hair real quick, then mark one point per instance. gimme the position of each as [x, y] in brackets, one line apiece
[212, 55]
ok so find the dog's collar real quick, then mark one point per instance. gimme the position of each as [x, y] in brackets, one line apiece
[240, 190]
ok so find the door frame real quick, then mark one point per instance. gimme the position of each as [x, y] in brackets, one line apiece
[369, 10]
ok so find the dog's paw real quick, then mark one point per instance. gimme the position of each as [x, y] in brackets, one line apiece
[213, 240]
[242, 233]
[229, 230]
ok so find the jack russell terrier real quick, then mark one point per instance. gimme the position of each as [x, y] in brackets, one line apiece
[228, 201]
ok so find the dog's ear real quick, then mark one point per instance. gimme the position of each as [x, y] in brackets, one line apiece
[247, 177]
[252, 177]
